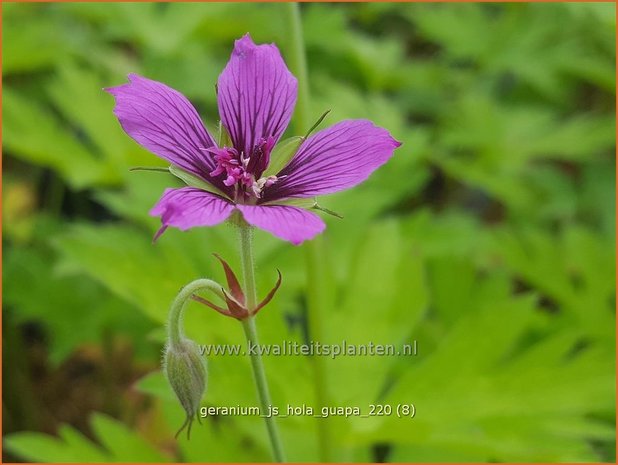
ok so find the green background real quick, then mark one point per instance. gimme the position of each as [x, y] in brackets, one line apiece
[488, 238]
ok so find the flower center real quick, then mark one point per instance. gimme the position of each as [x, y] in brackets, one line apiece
[244, 172]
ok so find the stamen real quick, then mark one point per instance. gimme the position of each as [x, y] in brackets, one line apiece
[259, 185]
[241, 170]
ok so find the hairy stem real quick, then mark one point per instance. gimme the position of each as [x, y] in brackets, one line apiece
[259, 375]
[248, 267]
[174, 321]
[317, 300]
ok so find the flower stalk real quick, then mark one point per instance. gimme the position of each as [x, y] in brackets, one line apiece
[248, 324]
[184, 366]
[175, 333]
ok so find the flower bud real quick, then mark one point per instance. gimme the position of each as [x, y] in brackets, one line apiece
[185, 370]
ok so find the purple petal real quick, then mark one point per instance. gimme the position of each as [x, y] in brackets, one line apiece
[288, 223]
[256, 94]
[163, 121]
[334, 159]
[189, 207]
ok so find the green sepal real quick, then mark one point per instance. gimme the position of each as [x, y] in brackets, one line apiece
[327, 211]
[149, 168]
[223, 139]
[307, 204]
[317, 123]
[193, 181]
[282, 154]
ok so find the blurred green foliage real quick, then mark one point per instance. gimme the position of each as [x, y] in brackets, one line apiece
[492, 229]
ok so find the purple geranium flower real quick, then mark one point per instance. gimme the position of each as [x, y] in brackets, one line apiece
[256, 98]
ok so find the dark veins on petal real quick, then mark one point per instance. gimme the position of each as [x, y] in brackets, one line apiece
[162, 119]
[333, 159]
[258, 99]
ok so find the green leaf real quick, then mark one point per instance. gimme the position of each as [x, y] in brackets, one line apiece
[575, 270]
[31, 43]
[31, 133]
[123, 443]
[56, 300]
[120, 444]
[38, 447]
